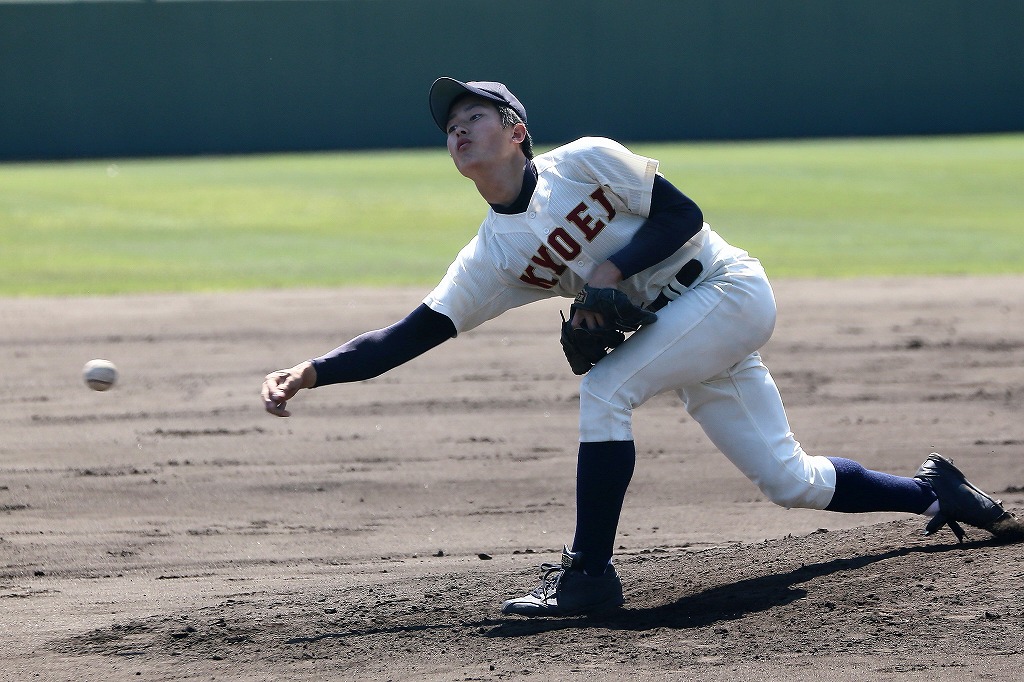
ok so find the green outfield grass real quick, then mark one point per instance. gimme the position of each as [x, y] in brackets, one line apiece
[837, 208]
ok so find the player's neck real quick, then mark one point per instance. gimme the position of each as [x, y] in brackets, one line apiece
[501, 183]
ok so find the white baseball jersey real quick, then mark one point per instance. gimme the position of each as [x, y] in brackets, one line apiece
[592, 196]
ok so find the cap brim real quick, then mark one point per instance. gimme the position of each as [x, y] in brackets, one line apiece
[443, 92]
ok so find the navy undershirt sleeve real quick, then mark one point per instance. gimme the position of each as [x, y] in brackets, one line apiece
[674, 219]
[373, 353]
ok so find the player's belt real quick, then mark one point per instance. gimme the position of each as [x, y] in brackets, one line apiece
[686, 276]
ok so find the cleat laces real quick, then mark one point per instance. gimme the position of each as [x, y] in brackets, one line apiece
[548, 586]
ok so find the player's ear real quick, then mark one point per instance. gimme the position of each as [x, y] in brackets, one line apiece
[518, 133]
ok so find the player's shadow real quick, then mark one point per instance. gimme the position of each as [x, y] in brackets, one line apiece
[716, 604]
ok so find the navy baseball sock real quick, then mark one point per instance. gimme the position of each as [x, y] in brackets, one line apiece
[862, 490]
[603, 473]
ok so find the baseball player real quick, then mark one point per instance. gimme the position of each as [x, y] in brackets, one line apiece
[661, 302]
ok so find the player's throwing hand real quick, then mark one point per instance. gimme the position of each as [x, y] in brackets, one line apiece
[281, 385]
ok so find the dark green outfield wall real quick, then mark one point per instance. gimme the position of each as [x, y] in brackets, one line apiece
[90, 79]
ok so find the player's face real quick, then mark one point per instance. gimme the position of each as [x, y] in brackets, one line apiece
[475, 136]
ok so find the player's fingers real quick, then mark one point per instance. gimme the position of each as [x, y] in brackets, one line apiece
[271, 405]
[587, 319]
[278, 410]
[276, 407]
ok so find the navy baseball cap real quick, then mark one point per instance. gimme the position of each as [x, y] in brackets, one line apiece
[446, 90]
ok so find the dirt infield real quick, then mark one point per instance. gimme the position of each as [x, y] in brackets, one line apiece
[170, 529]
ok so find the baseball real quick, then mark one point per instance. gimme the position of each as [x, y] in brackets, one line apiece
[99, 375]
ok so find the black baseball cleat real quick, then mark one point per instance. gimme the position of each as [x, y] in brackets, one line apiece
[565, 590]
[962, 501]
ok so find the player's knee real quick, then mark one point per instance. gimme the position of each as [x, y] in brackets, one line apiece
[793, 493]
[796, 480]
[596, 397]
[604, 414]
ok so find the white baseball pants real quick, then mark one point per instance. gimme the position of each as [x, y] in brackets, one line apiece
[704, 347]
